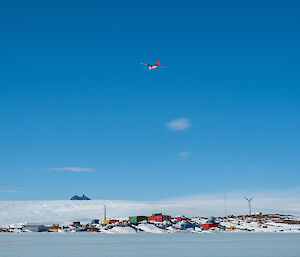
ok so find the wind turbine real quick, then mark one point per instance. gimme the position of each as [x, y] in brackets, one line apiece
[249, 204]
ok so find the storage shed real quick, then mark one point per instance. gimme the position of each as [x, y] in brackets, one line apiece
[110, 221]
[209, 225]
[159, 217]
[136, 219]
[76, 224]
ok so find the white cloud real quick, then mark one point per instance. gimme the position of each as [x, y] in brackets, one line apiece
[277, 201]
[180, 124]
[73, 169]
[184, 154]
[281, 201]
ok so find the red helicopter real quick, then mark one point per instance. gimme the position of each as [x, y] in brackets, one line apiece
[153, 66]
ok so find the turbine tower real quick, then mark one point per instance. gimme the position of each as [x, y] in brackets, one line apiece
[249, 204]
[104, 211]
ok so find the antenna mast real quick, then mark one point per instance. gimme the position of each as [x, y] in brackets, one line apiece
[225, 204]
[249, 204]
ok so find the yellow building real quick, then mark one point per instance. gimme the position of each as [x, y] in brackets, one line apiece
[110, 221]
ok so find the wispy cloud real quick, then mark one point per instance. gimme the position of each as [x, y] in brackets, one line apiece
[72, 169]
[10, 191]
[184, 154]
[180, 124]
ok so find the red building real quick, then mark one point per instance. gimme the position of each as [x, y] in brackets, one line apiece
[209, 225]
[179, 219]
[158, 217]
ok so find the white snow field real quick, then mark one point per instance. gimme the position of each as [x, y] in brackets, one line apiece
[150, 228]
[120, 230]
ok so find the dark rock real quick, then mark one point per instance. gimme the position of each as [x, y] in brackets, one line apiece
[76, 197]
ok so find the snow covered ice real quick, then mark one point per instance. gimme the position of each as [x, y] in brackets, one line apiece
[149, 245]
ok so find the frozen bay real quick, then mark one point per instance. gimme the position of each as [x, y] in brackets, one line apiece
[158, 245]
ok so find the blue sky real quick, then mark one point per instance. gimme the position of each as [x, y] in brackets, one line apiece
[79, 114]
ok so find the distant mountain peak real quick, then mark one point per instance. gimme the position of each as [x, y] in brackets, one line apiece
[76, 197]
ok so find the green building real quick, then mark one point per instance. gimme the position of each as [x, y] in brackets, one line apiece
[136, 219]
